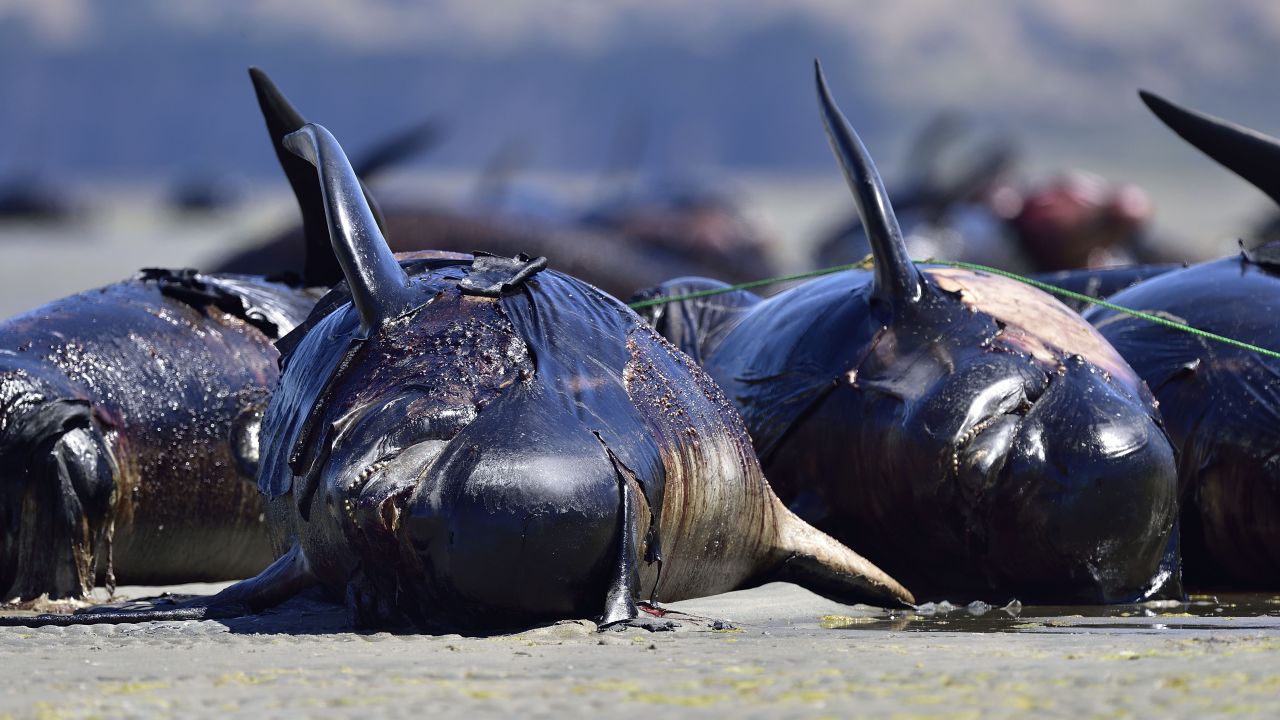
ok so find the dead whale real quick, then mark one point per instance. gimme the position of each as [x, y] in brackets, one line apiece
[129, 421]
[129, 432]
[1221, 403]
[1021, 450]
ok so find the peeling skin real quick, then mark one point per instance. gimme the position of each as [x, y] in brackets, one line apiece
[149, 461]
[1034, 323]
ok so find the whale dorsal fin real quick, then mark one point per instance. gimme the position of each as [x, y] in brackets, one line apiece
[1247, 153]
[320, 267]
[379, 287]
[896, 279]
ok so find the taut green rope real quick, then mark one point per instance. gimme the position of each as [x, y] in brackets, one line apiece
[1149, 317]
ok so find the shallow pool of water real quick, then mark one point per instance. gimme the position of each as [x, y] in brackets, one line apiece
[1234, 611]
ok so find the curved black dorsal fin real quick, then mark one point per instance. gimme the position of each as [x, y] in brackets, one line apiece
[1247, 153]
[320, 267]
[379, 287]
[896, 278]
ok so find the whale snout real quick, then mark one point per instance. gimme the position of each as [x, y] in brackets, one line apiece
[1060, 485]
[1086, 509]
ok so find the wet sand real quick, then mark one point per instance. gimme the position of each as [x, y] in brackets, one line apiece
[788, 654]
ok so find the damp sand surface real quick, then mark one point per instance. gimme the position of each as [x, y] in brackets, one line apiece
[788, 653]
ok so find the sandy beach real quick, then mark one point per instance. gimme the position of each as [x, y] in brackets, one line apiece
[789, 653]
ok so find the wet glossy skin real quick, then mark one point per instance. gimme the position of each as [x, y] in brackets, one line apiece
[1220, 402]
[984, 443]
[1221, 406]
[489, 462]
[128, 431]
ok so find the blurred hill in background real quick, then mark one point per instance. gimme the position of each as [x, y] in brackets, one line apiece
[111, 106]
[158, 86]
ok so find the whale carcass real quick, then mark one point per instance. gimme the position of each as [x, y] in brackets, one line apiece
[129, 432]
[1221, 403]
[1021, 450]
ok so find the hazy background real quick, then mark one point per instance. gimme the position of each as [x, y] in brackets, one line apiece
[117, 100]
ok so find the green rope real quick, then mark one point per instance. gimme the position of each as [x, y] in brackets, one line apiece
[1149, 317]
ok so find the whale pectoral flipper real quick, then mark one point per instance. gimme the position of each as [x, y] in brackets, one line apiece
[289, 575]
[815, 561]
[839, 584]
[624, 587]
[283, 579]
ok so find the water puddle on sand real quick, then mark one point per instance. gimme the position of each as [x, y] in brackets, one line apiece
[1201, 612]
